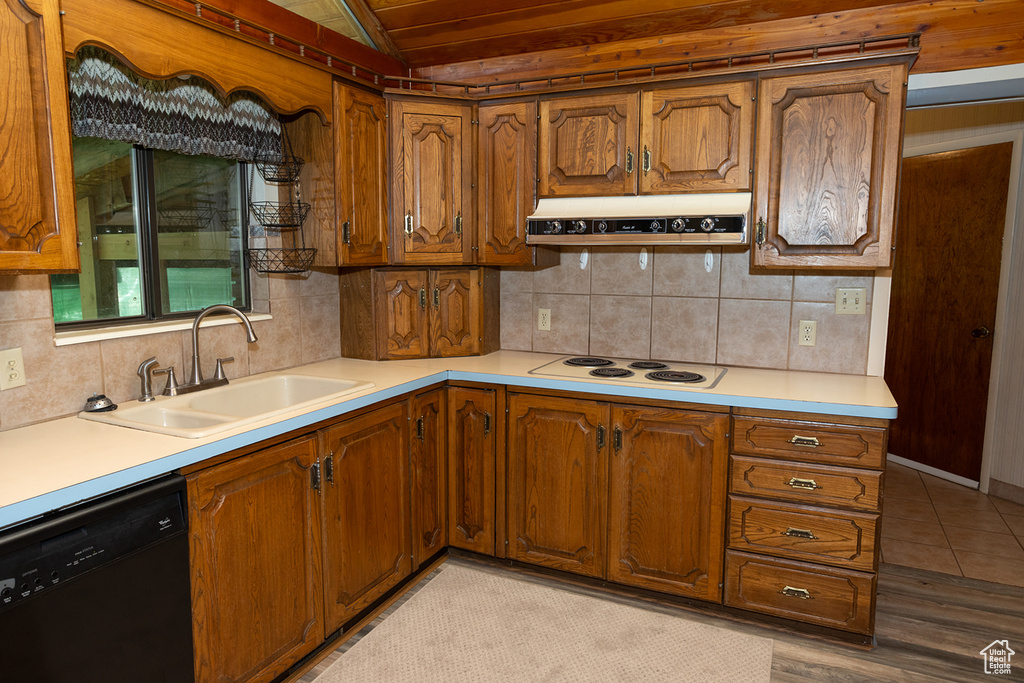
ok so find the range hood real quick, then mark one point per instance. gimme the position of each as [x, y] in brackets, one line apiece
[720, 218]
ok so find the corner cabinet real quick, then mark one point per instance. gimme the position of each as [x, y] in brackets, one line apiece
[37, 199]
[828, 161]
[432, 181]
[690, 139]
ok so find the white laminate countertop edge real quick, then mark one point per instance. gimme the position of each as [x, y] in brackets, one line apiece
[56, 464]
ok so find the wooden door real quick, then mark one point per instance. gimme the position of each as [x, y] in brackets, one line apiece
[37, 187]
[557, 474]
[257, 596]
[455, 314]
[945, 285]
[428, 473]
[366, 544]
[472, 449]
[506, 181]
[697, 139]
[666, 512]
[433, 177]
[828, 156]
[361, 162]
[588, 146]
[400, 299]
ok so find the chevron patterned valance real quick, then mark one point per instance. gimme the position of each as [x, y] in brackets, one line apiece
[184, 115]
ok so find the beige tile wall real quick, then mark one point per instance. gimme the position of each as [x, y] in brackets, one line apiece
[305, 329]
[676, 309]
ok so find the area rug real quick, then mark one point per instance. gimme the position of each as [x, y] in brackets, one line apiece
[469, 625]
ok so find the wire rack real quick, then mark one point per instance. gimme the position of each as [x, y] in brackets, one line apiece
[281, 260]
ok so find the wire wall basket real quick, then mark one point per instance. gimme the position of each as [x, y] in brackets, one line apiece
[281, 260]
[280, 168]
[281, 215]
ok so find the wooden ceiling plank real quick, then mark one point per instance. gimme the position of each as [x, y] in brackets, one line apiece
[955, 36]
[371, 24]
[580, 22]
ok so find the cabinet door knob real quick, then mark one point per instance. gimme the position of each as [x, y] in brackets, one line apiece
[423, 298]
[346, 234]
[487, 424]
[808, 484]
[600, 437]
[759, 234]
[437, 298]
[647, 160]
[980, 332]
[629, 161]
[458, 224]
[617, 439]
[801, 593]
[408, 223]
[329, 468]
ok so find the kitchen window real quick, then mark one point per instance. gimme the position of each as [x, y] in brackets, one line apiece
[162, 235]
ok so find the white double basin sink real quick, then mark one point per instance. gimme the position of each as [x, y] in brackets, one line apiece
[207, 412]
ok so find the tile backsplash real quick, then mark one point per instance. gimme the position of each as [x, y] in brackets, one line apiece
[305, 328]
[684, 306]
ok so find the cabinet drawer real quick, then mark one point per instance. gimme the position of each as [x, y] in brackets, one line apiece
[802, 532]
[830, 444]
[803, 483]
[836, 598]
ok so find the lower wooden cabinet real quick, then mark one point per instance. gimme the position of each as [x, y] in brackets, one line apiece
[257, 596]
[472, 458]
[367, 549]
[428, 469]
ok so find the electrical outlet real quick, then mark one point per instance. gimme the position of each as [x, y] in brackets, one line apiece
[851, 300]
[12, 369]
[544, 319]
[808, 332]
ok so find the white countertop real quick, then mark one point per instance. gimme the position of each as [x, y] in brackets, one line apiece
[54, 464]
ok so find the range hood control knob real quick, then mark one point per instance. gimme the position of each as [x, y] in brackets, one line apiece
[656, 226]
[556, 227]
[708, 224]
[677, 225]
[578, 226]
[602, 226]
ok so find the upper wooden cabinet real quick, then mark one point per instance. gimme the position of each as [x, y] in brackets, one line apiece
[828, 158]
[506, 163]
[360, 167]
[37, 196]
[690, 139]
[432, 181]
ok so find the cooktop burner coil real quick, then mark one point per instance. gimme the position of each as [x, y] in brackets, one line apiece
[675, 376]
[611, 372]
[647, 365]
[588, 362]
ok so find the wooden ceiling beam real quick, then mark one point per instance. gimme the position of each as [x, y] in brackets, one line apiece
[955, 35]
[374, 29]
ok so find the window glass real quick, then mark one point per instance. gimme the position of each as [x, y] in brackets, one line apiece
[161, 234]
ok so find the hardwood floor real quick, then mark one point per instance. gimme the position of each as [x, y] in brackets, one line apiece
[929, 627]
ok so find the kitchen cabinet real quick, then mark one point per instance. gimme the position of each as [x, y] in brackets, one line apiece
[828, 160]
[804, 506]
[37, 210]
[257, 593]
[472, 468]
[557, 478]
[666, 509]
[695, 138]
[367, 548]
[394, 313]
[432, 180]
[506, 167]
[428, 470]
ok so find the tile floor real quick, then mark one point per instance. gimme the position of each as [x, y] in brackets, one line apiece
[930, 523]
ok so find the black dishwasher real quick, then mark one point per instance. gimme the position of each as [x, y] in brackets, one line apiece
[100, 592]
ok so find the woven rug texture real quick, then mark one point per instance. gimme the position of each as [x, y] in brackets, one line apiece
[468, 625]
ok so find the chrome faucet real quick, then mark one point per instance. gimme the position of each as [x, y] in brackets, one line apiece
[196, 381]
[145, 373]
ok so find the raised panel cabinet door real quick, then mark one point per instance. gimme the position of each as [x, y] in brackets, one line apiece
[257, 593]
[367, 549]
[668, 497]
[557, 473]
[588, 146]
[37, 188]
[506, 181]
[401, 320]
[697, 139]
[361, 162]
[428, 473]
[433, 179]
[472, 450]
[455, 313]
[828, 158]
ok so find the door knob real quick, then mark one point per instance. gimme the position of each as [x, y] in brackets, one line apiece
[980, 332]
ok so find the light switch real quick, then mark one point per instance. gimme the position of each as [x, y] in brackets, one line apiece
[851, 300]
[12, 369]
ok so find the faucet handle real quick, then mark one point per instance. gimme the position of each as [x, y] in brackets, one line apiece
[219, 373]
[172, 383]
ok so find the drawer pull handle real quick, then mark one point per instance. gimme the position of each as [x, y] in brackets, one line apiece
[805, 441]
[801, 593]
[808, 484]
[799, 533]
